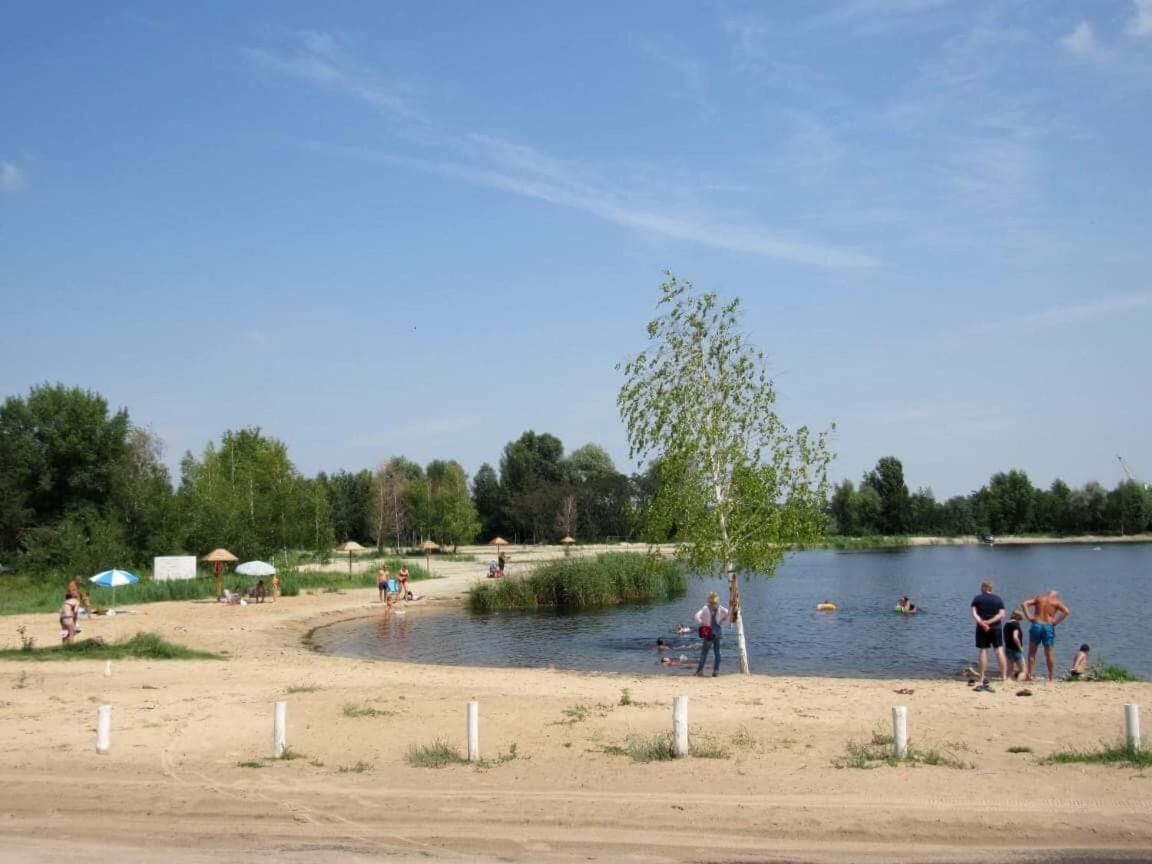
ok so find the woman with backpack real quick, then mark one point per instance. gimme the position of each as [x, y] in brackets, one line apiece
[709, 621]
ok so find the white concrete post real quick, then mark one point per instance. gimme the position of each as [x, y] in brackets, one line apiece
[1132, 726]
[900, 731]
[107, 668]
[103, 729]
[473, 731]
[280, 729]
[680, 725]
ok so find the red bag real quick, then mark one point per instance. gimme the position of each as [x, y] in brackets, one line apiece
[705, 632]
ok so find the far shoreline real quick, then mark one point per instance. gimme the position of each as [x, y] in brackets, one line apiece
[1028, 540]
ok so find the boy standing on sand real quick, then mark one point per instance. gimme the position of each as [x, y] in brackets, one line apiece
[988, 613]
[1014, 645]
[1047, 610]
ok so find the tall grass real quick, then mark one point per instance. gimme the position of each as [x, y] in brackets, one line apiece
[609, 579]
[24, 595]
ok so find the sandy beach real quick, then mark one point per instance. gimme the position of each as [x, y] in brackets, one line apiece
[175, 786]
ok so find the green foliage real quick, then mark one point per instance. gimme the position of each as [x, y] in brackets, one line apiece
[736, 485]
[644, 748]
[1119, 755]
[452, 514]
[142, 646]
[246, 495]
[1104, 671]
[609, 579]
[895, 507]
[878, 751]
[438, 754]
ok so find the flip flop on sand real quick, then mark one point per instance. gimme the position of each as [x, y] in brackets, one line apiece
[904, 691]
[1024, 692]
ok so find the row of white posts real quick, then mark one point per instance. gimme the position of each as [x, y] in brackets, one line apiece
[679, 729]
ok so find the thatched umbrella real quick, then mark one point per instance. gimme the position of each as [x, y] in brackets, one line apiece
[350, 546]
[498, 541]
[567, 543]
[218, 558]
[429, 547]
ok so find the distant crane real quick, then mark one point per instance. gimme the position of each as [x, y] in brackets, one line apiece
[1128, 472]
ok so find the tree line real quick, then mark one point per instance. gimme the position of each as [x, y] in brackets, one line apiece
[1007, 504]
[83, 488]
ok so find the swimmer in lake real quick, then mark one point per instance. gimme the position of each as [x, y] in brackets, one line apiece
[681, 629]
[682, 660]
[661, 645]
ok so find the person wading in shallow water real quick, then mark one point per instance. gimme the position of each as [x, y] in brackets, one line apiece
[710, 620]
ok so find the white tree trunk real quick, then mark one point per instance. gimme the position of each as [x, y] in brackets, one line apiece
[737, 610]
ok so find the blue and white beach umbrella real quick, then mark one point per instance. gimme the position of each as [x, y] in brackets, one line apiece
[112, 579]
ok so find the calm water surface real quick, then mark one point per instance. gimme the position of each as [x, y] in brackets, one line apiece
[1107, 589]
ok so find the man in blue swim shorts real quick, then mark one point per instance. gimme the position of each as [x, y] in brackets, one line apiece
[1044, 611]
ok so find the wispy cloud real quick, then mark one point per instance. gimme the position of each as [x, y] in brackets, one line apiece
[527, 172]
[1140, 24]
[1082, 42]
[319, 59]
[1062, 316]
[11, 177]
[495, 163]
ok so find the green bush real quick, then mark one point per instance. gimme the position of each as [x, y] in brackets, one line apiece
[609, 579]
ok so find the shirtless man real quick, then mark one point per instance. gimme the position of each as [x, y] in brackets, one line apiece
[1045, 611]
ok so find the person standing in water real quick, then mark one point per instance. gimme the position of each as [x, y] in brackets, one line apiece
[1044, 611]
[710, 620]
[988, 613]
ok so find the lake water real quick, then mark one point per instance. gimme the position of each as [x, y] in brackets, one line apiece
[1108, 590]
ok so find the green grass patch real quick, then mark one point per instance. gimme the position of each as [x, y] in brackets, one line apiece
[142, 646]
[1108, 755]
[250, 765]
[353, 710]
[302, 688]
[290, 755]
[1109, 672]
[609, 579]
[658, 748]
[878, 751]
[438, 754]
[1019, 749]
[359, 768]
[27, 594]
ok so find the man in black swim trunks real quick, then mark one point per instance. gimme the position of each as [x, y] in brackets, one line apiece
[988, 612]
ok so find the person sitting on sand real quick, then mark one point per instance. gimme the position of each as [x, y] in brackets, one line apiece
[410, 597]
[382, 581]
[69, 614]
[1080, 664]
[259, 592]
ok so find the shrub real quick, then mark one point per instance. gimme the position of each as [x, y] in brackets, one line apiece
[609, 579]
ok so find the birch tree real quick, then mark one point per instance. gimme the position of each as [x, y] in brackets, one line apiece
[737, 485]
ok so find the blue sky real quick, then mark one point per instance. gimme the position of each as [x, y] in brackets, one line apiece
[424, 228]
